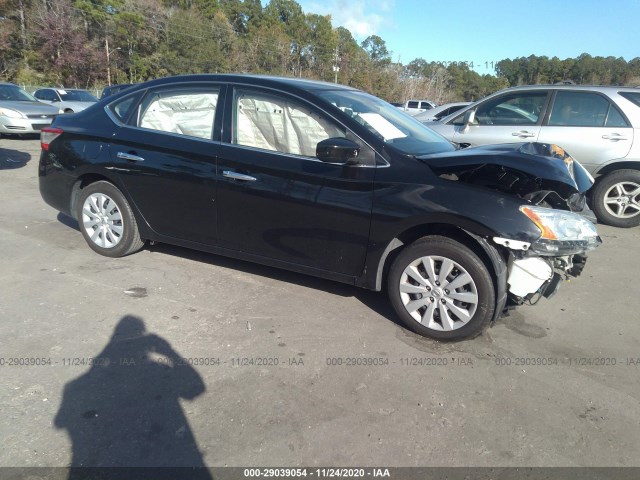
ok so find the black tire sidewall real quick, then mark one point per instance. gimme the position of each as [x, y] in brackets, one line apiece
[442, 246]
[601, 188]
[129, 224]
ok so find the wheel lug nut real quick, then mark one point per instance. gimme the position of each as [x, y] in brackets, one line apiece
[443, 301]
[437, 284]
[428, 289]
[446, 292]
[432, 299]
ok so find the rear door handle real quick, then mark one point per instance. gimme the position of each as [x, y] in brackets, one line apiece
[614, 137]
[130, 157]
[523, 134]
[238, 176]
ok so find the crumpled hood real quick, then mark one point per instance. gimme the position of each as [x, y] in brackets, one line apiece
[549, 165]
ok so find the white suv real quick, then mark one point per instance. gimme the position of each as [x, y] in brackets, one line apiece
[596, 125]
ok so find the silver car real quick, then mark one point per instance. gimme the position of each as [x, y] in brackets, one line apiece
[21, 113]
[596, 125]
[69, 100]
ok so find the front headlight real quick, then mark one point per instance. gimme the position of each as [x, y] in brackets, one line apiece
[9, 112]
[561, 232]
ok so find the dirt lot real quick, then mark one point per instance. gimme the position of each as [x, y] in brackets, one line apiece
[257, 366]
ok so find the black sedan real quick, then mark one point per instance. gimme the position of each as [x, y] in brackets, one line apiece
[325, 180]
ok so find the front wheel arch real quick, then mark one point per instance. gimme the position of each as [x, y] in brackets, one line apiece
[495, 259]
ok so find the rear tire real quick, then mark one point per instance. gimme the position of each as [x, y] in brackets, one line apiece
[441, 289]
[616, 199]
[107, 222]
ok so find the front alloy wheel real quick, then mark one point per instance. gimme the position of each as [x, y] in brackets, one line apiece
[438, 293]
[441, 289]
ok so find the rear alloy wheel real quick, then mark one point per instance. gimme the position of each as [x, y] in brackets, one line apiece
[616, 199]
[107, 222]
[441, 289]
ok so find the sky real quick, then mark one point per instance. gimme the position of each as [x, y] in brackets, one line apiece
[486, 31]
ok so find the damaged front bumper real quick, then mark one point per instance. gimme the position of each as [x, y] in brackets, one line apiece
[532, 278]
[533, 272]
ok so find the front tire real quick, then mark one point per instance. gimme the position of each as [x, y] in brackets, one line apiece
[616, 199]
[441, 289]
[107, 222]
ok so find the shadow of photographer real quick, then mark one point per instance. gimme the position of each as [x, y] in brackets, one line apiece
[125, 411]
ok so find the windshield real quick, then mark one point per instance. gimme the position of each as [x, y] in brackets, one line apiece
[15, 94]
[76, 96]
[394, 127]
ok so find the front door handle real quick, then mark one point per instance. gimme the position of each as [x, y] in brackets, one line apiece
[614, 137]
[130, 157]
[238, 176]
[523, 134]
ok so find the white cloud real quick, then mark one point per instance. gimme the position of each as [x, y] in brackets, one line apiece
[361, 17]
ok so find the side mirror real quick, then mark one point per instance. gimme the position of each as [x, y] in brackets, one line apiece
[469, 117]
[338, 150]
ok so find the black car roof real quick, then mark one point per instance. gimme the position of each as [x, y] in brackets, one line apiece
[264, 80]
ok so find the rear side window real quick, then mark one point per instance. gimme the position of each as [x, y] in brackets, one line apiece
[584, 109]
[412, 105]
[186, 111]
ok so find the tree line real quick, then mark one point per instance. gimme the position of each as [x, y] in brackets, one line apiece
[92, 43]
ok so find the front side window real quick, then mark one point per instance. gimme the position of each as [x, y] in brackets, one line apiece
[513, 109]
[584, 109]
[272, 122]
[186, 111]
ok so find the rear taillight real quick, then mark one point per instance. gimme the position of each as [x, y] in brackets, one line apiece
[48, 135]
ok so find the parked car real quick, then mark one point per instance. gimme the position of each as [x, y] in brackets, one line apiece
[414, 107]
[324, 180]
[21, 113]
[69, 100]
[598, 126]
[437, 113]
[113, 89]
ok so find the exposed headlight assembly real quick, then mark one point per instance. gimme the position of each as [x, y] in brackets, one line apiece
[562, 233]
[9, 112]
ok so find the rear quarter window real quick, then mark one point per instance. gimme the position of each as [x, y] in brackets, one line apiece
[123, 108]
[631, 96]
